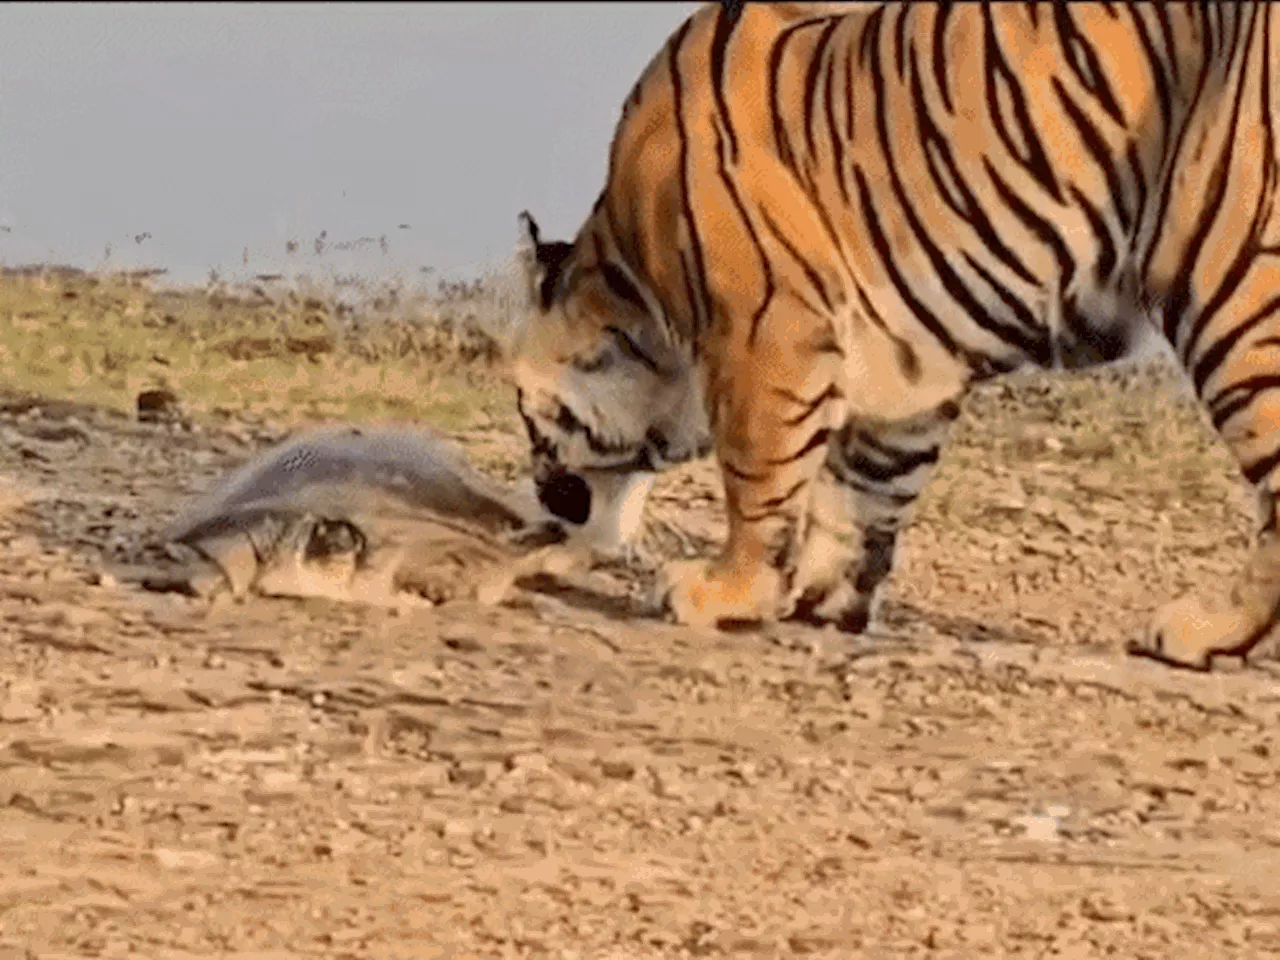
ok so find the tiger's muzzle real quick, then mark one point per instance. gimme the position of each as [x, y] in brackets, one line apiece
[566, 495]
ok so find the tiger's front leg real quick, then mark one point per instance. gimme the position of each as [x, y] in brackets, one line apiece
[771, 418]
[748, 582]
[1218, 305]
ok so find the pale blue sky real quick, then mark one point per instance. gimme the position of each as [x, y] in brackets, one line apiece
[216, 127]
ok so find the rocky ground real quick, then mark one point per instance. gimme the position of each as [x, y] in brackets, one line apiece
[987, 776]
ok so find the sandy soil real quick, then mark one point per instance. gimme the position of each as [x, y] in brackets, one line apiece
[987, 777]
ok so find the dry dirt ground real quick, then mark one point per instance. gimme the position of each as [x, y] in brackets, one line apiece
[989, 776]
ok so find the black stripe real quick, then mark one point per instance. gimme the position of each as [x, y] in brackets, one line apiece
[726, 21]
[1000, 77]
[816, 440]
[850, 115]
[941, 165]
[869, 309]
[1256, 472]
[893, 497]
[1235, 36]
[1042, 351]
[1106, 344]
[895, 469]
[781, 140]
[810, 271]
[1139, 180]
[769, 287]
[769, 506]
[1084, 62]
[624, 240]
[1211, 26]
[826, 344]
[1096, 147]
[1236, 397]
[833, 134]
[1198, 30]
[632, 348]
[804, 173]
[620, 285]
[1159, 79]
[1166, 36]
[900, 284]
[940, 53]
[809, 407]
[870, 34]
[1214, 357]
[877, 558]
[569, 422]
[1105, 266]
[882, 449]
[1230, 283]
[1166, 31]
[817, 56]
[1161, 218]
[743, 475]
[1179, 300]
[691, 295]
[701, 302]
[906, 354]
[908, 361]
[900, 40]
[950, 280]
[1268, 129]
[1042, 229]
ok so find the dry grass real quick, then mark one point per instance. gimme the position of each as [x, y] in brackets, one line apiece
[298, 356]
[289, 356]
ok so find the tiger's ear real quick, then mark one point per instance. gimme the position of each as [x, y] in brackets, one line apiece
[529, 233]
[541, 264]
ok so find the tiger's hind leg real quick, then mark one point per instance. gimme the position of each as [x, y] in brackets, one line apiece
[1212, 278]
[872, 477]
[1192, 630]
[1243, 397]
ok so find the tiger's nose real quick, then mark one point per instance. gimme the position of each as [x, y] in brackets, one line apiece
[566, 495]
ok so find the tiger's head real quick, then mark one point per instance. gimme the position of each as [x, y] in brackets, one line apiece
[607, 398]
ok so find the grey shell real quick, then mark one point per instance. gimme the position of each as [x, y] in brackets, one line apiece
[355, 471]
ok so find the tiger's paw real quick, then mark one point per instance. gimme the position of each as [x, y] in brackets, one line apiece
[702, 594]
[1188, 635]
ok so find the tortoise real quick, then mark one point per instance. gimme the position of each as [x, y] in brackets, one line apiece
[385, 516]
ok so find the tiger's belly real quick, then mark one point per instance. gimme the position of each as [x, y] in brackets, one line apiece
[889, 378]
[893, 369]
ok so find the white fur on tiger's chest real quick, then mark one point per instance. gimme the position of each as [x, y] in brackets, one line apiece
[617, 508]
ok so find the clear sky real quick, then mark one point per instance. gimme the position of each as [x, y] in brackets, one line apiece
[212, 128]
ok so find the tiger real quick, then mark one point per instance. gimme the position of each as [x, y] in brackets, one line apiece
[823, 224]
